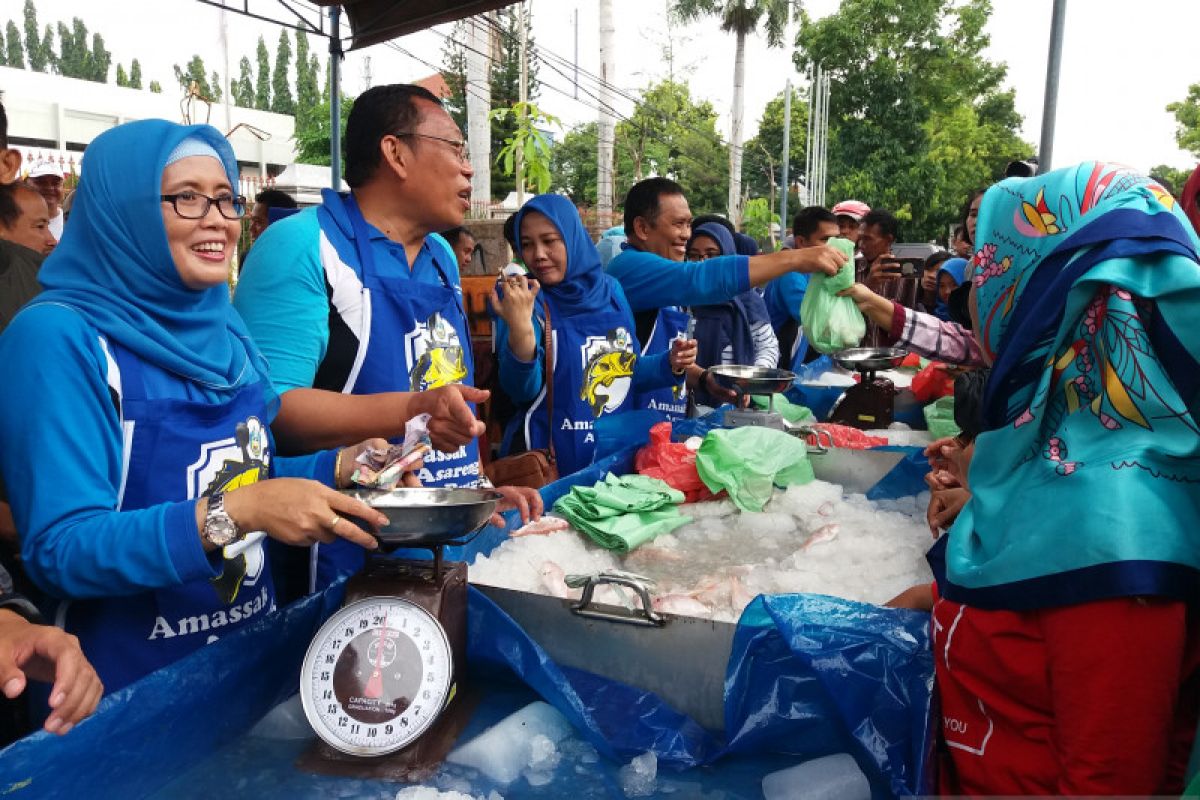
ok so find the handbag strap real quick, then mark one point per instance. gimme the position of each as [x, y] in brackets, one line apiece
[548, 371]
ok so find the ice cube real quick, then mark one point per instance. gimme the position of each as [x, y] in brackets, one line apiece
[834, 777]
[639, 778]
[504, 750]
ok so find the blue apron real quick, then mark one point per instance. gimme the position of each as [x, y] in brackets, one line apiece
[179, 449]
[672, 401]
[418, 340]
[594, 358]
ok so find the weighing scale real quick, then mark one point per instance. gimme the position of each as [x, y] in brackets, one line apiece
[753, 381]
[379, 676]
[869, 404]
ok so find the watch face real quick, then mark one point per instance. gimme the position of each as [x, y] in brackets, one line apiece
[220, 529]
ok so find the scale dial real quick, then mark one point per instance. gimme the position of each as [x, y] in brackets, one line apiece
[376, 676]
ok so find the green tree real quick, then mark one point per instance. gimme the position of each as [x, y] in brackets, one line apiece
[1187, 120]
[214, 81]
[573, 164]
[281, 90]
[1175, 177]
[308, 93]
[155, 87]
[312, 131]
[74, 56]
[454, 72]
[762, 166]
[15, 56]
[100, 60]
[670, 134]
[242, 89]
[35, 48]
[135, 74]
[262, 85]
[917, 117]
[530, 142]
[47, 49]
[195, 72]
[122, 78]
[758, 219]
[741, 18]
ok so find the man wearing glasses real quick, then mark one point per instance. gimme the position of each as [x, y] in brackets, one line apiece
[357, 304]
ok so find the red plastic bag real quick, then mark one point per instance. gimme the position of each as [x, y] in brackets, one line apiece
[933, 382]
[852, 438]
[671, 462]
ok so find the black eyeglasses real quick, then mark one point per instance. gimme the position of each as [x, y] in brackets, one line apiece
[460, 146]
[193, 205]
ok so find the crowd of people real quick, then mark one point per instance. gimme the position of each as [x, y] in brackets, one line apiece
[168, 450]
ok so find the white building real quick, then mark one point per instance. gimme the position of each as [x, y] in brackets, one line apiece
[56, 117]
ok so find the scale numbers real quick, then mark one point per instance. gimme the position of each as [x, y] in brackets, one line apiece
[376, 676]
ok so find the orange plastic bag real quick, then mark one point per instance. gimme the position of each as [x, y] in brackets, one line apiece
[671, 462]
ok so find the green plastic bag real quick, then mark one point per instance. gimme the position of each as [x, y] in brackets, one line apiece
[832, 323]
[750, 462]
[939, 418]
[621, 513]
[792, 412]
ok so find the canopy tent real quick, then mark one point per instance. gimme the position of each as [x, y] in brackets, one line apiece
[371, 22]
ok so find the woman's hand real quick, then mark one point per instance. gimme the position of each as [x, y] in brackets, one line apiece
[944, 507]
[300, 512]
[347, 460]
[951, 456]
[527, 501]
[516, 305]
[683, 354]
[874, 307]
[48, 654]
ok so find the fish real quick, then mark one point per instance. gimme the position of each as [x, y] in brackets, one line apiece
[541, 527]
[554, 580]
[682, 604]
[825, 533]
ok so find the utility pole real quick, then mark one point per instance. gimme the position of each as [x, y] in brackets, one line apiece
[606, 128]
[479, 102]
[524, 98]
[1050, 101]
[225, 90]
[335, 98]
[576, 52]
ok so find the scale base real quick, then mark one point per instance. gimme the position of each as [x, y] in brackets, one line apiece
[441, 589]
[741, 417]
[868, 405]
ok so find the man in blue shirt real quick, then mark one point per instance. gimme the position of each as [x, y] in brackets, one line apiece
[813, 226]
[657, 280]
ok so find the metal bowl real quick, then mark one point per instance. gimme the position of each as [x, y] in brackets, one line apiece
[423, 517]
[752, 380]
[869, 359]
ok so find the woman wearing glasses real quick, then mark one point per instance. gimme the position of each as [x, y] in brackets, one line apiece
[134, 438]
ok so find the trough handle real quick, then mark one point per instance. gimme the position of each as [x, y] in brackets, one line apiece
[645, 616]
[819, 440]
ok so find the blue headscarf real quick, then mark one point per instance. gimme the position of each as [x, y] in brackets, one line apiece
[955, 268]
[1086, 481]
[114, 266]
[718, 233]
[585, 287]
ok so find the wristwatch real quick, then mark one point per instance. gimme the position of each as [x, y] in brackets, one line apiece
[219, 528]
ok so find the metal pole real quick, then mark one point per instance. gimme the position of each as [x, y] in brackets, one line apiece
[577, 53]
[523, 91]
[787, 129]
[335, 99]
[808, 143]
[1050, 101]
[606, 128]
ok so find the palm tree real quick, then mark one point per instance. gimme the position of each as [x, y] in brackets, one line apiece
[739, 17]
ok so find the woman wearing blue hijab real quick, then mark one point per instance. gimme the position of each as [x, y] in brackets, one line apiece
[595, 360]
[736, 332]
[949, 277]
[1068, 654]
[135, 427]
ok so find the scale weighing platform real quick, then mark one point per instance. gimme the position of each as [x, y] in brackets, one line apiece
[380, 681]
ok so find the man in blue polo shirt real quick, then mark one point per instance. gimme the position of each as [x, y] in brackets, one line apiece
[658, 283]
[357, 303]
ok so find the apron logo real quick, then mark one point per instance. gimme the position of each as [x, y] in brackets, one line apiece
[436, 353]
[607, 370]
[226, 465]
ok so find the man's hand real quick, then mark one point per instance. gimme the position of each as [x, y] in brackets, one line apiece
[683, 354]
[885, 267]
[822, 258]
[47, 654]
[527, 501]
[452, 424]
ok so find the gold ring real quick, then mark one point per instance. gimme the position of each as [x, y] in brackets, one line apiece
[333, 522]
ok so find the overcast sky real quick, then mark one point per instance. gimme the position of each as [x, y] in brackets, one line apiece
[1122, 62]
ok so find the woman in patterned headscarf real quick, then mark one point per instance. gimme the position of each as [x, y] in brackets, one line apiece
[1065, 624]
